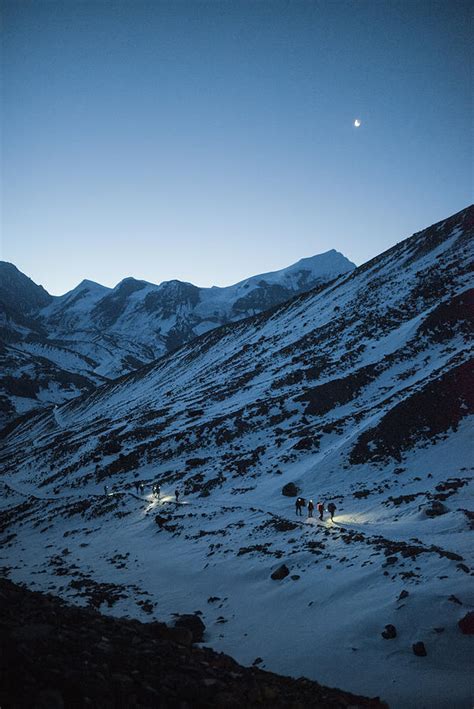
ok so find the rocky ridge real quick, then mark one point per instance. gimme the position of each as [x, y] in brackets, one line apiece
[53, 655]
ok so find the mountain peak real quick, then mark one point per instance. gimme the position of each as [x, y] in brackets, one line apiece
[18, 292]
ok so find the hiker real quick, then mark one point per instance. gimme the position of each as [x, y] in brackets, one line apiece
[298, 505]
[176, 494]
[106, 490]
[157, 491]
[310, 508]
[137, 486]
[321, 510]
[331, 509]
[142, 488]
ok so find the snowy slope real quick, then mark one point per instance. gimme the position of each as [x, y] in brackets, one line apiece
[54, 348]
[359, 392]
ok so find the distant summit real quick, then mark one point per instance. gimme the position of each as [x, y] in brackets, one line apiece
[18, 293]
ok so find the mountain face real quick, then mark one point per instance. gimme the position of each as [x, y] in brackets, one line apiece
[359, 393]
[55, 348]
[19, 296]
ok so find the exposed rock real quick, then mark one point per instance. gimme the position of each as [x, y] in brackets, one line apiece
[193, 623]
[419, 649]
[280, 573]
[403, 594]
[290, 490]
[466, 624]
[161, 521]
[144, 665]
[436, 509]
[390, 632]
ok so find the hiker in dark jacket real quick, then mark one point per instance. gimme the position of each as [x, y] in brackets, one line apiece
[176, 494]
[157, 491]
[298, 505]
[310, 508]
[106, 490]
[142, 488]
[331, 509]
[137, 486]
[321, 510]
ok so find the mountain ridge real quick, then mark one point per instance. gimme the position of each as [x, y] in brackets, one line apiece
[355, 392]
[72, 343]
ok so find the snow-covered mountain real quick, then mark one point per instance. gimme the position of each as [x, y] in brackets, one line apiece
[359, 392]
[54, 348]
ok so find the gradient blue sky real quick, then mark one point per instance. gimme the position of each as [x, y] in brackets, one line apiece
[209, 141]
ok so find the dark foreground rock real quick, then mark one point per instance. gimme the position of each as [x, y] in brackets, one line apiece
[194, 624]
[60, 657]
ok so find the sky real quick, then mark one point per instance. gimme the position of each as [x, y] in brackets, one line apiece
[210, 141]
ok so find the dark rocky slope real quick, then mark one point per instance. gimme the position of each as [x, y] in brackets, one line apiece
[54, 656]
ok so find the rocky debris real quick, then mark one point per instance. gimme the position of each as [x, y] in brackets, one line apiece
[280, 573]
[436, 509]
[390, 632]
[279, 524]
[434, 409]
[290, 490]
[160, 520]
[54, 656]
[466, 624]
[403, 594]
[193, 623]
[419, 649]
[470, 517]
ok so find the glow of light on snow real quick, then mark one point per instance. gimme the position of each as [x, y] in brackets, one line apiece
[357, 122]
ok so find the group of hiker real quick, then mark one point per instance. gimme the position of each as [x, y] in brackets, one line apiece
[301, 502]
[140, 490]
[139, 487]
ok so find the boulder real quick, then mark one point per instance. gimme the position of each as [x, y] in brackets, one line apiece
[390, 632]
[466, 624]
[289, 490]
[419, 649]
[191, 622]
[436, 509]
[280, 573]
